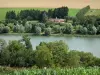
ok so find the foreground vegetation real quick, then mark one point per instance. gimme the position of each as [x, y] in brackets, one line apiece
[53, 54]
[45, 59]
[53, 71]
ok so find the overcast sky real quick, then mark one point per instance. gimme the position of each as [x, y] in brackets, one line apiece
[50, 3]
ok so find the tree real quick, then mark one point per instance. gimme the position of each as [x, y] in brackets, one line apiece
[69, 28]
[1, 27]
[86, 59]
[92, 30]
[10, 25]
[2, 45]
[73, 59]
[38, 30]
[59, 50]
[43, 56]
[48, 31]
[43, 16]
[17, 54]
[21, 29]
[50, 13]
[12, 53]
[6, 29]
[56, 29]
[42, 25]
[81, 30]
[28, 27]
[16, 28]
[60, 12]
[85, 31]
[10, 15]
[98, 29]
[28, 44]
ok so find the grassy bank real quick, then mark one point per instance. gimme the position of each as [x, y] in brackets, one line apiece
[59, 35]
[72, 12]
[51, 71]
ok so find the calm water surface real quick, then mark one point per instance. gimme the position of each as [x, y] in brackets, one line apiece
[87, 44]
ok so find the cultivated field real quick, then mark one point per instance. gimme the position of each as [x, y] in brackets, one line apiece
[57, 71]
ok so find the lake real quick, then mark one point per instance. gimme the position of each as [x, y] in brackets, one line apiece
[86, 44]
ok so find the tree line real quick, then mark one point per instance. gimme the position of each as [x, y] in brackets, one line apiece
[37, 14]
[53, 54]
[49, 28]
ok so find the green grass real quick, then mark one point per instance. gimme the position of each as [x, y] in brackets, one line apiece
[72, 12]
[95, 12]
[56, 71]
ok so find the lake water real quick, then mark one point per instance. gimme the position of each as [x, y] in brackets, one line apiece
[86, 44]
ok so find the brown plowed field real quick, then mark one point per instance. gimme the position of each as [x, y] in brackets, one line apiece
[50, 3]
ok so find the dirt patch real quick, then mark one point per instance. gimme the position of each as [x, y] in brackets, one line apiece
[50, 3]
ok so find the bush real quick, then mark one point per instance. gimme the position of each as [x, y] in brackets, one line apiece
[6, 29]
[38, 30]
[48, 31]
[69, 28]
[56, 29]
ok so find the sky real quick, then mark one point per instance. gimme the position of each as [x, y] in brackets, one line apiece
[50, 3]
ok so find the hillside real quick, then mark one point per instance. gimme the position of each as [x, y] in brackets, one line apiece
[91, 12]
[88, 11]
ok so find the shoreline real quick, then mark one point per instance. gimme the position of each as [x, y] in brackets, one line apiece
[59, 35]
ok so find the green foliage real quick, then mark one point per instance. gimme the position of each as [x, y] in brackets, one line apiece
[43, 17]
[28, 44]
[11, 15]
[43, 56]
[28, 27]
[11, 53]
[81, 30]
[10, 25]
[19, 28]
[98, 29]
[56, 71]
[59, 50]
[92, 29]
[1, 27]
[47, 31]
[73, 59]
[85, 30]
[16, 28]
[86, 59]
[38, 30]
[17, 54]
[82, 12]
[56, 29]
[72, 12]
[69, 28]
[5, 29]
[60, 12]
[53, 54]
[2, 44]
